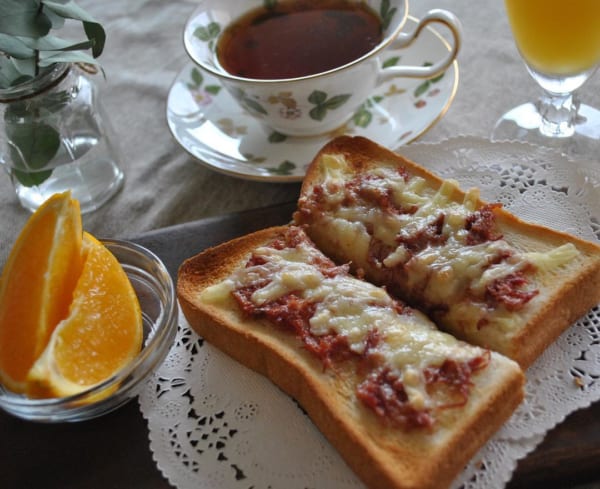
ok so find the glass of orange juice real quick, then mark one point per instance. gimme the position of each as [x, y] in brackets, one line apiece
[560, 44]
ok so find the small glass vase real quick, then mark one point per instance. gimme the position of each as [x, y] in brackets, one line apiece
[55, 136]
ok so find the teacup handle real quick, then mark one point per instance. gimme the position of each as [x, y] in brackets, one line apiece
[405, 39]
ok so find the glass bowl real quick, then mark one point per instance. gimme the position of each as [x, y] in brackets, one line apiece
[156, 293]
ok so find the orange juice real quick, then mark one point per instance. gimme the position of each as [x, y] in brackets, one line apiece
[557, 37]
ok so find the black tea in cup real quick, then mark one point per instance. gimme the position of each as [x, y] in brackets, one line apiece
[298, 38]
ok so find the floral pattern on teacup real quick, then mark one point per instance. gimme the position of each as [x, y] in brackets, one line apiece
[289, 107]
[322, 102]
[208, 34]
[202, 94]
[386, 12]
[395, 113]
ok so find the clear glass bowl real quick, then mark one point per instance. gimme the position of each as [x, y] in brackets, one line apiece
[156, 293]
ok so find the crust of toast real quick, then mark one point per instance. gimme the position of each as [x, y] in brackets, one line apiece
[379, 455]
[563, 299]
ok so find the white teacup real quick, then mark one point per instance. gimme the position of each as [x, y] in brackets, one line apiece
[318, 103]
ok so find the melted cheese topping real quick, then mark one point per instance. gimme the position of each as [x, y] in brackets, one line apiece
[351, 308]
[445, 274]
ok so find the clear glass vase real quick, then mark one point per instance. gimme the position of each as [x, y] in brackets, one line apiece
[55, 136]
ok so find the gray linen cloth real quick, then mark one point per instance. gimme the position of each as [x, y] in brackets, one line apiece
[166, 186]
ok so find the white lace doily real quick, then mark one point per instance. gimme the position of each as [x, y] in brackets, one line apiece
[215, 424]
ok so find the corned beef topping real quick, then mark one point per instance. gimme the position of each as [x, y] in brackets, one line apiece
[481, 225]
[456, 377]
[430, 235]
[329, 348]
[383, 391]
[292, 313]
[328, 268]
[370, 190]
[256, 260]
[371, 356]
[499, 257]
[292, 238]
[312, 205]
[509, 291]
[243, 296]
[378, 251]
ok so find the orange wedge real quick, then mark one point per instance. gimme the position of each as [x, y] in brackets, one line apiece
[37, 285]
[100, 335]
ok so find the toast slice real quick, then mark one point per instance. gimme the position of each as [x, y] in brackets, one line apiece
[405, 404]
[478, 271]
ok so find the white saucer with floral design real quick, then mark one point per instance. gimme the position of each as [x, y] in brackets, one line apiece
[211, 126]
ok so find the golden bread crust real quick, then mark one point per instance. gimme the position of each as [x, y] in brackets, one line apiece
[380, 455]
[562, 299]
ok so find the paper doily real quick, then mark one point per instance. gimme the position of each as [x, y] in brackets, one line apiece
[215, 424]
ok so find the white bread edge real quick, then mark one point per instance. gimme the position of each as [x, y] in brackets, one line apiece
[379, 456]
[576, 295]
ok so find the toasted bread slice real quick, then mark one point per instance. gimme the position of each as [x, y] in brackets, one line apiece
[478, 271]
[405, 404]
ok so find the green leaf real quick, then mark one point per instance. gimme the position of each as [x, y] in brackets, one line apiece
[58, 22]
[31, 179]
[386, 13]
[15, 111]
[318, 113]
[391, 62]
[206, 33]
[53, 43]
[65, 57]
[68, 10]
[214, 29]
[29, 22]
[35, 144]
[387, 20]
[337, 101]
[95, 33]
[13, 46]
[422, 88]
[23, 110]
[437, 78]
[197, 77]
[277, 137]
[384, 7]
[285, 168]
[25, 66]
[213, 89]
[253, 105]
[362, 118]
[9, 75]
[93, 30]
[317, 97]
[23, 18]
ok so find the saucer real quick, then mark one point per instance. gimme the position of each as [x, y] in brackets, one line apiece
[209, 124]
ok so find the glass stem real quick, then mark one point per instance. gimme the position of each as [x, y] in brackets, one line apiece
[558, 112]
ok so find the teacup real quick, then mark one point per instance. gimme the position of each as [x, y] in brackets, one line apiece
[317, 103]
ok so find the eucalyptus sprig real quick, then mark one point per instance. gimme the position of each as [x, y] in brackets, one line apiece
[28, 47]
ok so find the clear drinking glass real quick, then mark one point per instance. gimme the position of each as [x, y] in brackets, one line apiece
[560, 44]
[55, 136]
